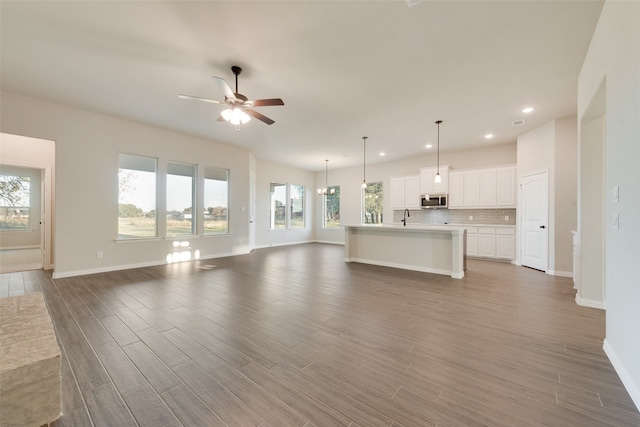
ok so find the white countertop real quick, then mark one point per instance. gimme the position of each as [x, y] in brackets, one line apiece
[448, 225]
[409, 227]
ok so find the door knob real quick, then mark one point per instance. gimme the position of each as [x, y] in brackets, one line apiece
[542, 226]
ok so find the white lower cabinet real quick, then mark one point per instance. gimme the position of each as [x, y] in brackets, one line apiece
[506, 243]
[487, 242]
[472, 241]
[491, 242]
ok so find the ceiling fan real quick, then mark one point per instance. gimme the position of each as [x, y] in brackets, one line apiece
[239, 106]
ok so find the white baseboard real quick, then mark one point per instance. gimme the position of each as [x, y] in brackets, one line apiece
[632, 389]
[405, 267]
[275, 245]
[62, 275]
[560, 273]
[590, 303]
[329, 242]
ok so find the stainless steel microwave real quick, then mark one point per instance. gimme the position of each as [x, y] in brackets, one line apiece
[433, 201]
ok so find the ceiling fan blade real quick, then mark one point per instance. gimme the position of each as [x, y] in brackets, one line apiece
[265, 102]
[259, 116]
[222, 84]
[197, 98]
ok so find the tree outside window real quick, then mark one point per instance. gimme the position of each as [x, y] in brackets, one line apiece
[331, 214]
[278, 206]
[15, 202]
[372, 203]
[296, 193]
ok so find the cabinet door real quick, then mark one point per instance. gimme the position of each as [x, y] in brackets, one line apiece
[471, 189]
[397, 193]
[472, 244]
[412, 192]
[456, 189]
[505, 247]
[427, 175]
[487, 245]
[506, 187]
[487, 197]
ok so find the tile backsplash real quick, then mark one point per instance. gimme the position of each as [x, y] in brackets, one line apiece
[458, 216]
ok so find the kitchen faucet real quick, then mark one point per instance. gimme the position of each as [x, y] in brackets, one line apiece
[405, 215]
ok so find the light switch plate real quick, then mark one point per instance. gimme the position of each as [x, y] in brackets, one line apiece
[616, 194]
[616, 222]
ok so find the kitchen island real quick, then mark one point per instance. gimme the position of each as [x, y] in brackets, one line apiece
[438, 249]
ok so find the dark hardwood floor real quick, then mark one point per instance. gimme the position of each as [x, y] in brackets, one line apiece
[294, 336]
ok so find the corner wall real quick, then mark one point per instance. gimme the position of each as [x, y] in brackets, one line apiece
[614, 58]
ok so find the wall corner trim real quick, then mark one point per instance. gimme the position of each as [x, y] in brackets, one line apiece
[590, 303]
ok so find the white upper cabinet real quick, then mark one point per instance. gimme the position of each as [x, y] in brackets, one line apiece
[405, 192]
[493, 187]
[506, 186]
[456, 189]
[428, 177]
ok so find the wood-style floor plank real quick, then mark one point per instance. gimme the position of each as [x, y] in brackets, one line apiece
[294, 336]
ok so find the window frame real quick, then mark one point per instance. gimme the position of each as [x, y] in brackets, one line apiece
[288, 206]
[180, 169]
[132, 160]
[206, 208]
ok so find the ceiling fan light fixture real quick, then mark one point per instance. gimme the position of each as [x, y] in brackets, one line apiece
[235, 116]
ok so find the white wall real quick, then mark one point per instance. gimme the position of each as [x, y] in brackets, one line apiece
[566, 192]
[614, 57]
[266, 173]
[87, 147]
[350, 180]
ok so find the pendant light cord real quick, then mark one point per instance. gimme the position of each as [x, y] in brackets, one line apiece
[438, 154]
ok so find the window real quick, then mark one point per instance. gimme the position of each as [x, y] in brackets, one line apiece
[15, 202]
[287, 206]
[331, 217]
[296, 193]
[216, 200]
[278, 206]
[136, 197]
[372, 203]
[181, 183]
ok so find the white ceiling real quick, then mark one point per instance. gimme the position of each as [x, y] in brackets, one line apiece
[345, 69]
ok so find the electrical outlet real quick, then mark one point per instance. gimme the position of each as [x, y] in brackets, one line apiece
[616, 222]
[506, 217]
[470, 217]
[99, 255]
[616, 194]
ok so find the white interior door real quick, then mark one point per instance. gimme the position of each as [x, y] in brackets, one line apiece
[535, 221]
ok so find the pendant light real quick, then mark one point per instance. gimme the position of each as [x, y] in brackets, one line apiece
[326, 191]
[438, 177]
[364, 162]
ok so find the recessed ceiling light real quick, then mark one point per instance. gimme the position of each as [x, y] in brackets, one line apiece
[382, 153]
[429, 145]
[489, 136]
[527, 109]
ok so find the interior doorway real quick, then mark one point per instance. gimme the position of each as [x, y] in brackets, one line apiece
[27, 239]
[535, 221]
